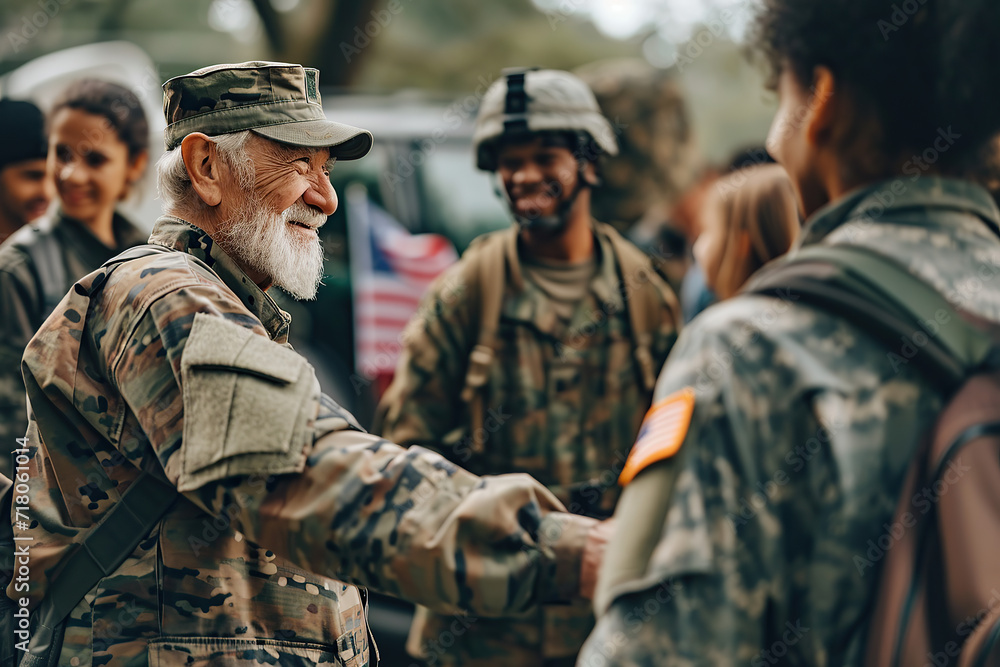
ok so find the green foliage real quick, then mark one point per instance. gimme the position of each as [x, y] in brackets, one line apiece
[456, 45]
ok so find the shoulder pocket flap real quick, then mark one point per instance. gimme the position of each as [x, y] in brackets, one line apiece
[218, 344]
[248, 404]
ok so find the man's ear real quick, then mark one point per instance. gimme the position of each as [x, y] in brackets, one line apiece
[203, 167]
[590, 174]
[823, 116]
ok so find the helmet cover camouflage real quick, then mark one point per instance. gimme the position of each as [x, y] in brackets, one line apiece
[538, 100]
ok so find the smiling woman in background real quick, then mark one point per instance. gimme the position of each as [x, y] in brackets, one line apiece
[98, 142]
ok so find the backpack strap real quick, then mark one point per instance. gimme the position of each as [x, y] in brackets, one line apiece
[484, 275]
[642, 303]
[883, 298]
[105, 546]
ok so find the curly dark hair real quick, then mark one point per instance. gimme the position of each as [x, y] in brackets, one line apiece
[913, 65]
[117, 104]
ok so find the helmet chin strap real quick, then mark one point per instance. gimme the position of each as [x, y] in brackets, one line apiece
[558, 220]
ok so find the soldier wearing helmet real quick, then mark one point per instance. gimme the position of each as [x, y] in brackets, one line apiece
[537, 352]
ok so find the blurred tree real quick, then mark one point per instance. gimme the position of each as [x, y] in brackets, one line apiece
[374, 44]
[183, 35]
[460, 45]
[655, 161]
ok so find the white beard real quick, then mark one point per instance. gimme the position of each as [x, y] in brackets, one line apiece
[261, 239]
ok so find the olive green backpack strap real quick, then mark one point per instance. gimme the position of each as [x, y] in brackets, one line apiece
[931, 571]
[642, 302]
[485, 276]
[105, 546]
[102, 551]
[883, 298]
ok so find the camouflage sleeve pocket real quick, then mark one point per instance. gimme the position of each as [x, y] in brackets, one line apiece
[248, 404]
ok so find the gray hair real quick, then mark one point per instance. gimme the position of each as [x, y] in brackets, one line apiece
[174, 184]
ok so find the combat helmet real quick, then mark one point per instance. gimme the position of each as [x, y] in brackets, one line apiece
[530, 100]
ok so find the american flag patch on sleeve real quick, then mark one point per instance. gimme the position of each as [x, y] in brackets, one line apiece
[661, 434]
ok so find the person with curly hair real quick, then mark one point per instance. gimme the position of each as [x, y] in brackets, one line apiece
[776, 449]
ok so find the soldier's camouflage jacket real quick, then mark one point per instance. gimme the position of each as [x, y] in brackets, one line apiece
[177, 363]
[23, 304]
[563, 403]
[761, 540]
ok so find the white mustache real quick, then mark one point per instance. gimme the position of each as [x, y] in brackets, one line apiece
[305, 214]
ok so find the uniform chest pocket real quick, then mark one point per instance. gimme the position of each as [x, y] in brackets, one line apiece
[248, 404]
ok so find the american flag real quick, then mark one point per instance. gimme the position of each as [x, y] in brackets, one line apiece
[391, 270]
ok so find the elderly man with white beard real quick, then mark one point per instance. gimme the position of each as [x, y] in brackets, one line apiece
[194, 497]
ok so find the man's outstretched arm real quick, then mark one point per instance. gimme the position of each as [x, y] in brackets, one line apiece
[248, 435]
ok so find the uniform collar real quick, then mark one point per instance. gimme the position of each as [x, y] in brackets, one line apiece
[532, 305]
[181, 235]
[898, 197]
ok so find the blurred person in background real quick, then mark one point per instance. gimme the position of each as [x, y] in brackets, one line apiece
[695, 209]
[641, 184]
[98, 141]
[695, 295]
[532, 353]
[749, 218]
[25, 190]
[791, 429]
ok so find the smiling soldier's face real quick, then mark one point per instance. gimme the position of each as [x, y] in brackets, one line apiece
[271, 225]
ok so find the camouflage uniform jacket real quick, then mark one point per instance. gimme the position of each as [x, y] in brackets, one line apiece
[761, 539]
[23, 307]
[563, 404]
[177, 363]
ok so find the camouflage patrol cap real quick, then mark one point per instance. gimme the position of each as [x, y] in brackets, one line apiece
[538, 100]
[279, 101]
